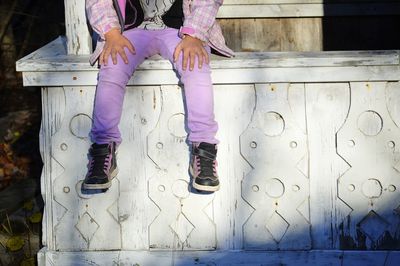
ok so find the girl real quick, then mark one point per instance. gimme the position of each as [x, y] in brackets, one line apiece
[182, 31]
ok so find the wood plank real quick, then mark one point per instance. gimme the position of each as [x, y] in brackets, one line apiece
[230, 209]
[327, 108]
[52, 57]
[301, 34]
[141, 111]
[247, 60]
[333, 257]
[273, 34]
[308, 10]
[79, 39]
[181, 220]
[256, 35]
[227, 76]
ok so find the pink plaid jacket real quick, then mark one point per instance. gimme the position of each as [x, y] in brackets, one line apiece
[199, 22]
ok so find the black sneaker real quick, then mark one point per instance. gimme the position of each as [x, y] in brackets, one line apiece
[102, 166]
[203, 167]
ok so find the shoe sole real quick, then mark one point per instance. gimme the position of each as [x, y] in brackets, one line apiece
[102, 186]
[205, 188]
[201, 187]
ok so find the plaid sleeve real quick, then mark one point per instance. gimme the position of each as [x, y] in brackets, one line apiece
[102, 16]
[201, 17]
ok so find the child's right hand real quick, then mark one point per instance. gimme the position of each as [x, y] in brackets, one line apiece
[115, 44]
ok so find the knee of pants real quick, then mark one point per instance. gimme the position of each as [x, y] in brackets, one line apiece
[114, 74]
[197, 75]
[179, 67]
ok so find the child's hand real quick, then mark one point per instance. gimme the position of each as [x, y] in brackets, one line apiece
[191, 47]
[115, 44]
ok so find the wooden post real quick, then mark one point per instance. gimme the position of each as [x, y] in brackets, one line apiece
[78, 38]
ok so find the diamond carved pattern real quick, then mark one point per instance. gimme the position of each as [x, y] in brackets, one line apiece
[87, 226]
[182, 227]
[373, 225]
[304, 209]
[277, 226]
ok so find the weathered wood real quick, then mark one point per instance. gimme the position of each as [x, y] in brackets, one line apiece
[79, 40]
[273, 211]
[53, 58]
[266, 34]
[371, 183]
[325, 116]
[234, 117]
[301, 8]
[301, 34]
[145, 258]
[254, 35]
[244, 68]
[278, 195]
[235, 76]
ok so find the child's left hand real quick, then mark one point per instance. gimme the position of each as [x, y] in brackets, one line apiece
[191, 47]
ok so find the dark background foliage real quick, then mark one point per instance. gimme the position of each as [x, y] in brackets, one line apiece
[25, 25]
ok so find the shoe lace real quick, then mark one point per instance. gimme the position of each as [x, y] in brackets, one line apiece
[206, 166]
[205, 159]
[99, 164]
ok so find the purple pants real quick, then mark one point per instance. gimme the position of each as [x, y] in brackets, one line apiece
[114, 78]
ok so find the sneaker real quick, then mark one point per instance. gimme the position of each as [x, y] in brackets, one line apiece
[203, 167]
[102, 166]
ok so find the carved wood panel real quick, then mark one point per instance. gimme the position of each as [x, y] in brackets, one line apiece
[79, 223]
[183, 216]
[368, 141]
[275, 144]
[302, 166]
[327, 109]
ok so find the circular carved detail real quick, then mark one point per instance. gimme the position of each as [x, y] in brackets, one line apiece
[66, 189]
[253, 144]
[391, 144]
[293, 144]
[370, 123]
[351, 143]
[255, 188]
[271, 123]
[372, 188]
[274, 188]
[351, 187]
[392, 188]
[80, 125]
[295, 188]
[180, 188]
[161, 188]
[176, 125]
[159, 145]
[63, 147]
